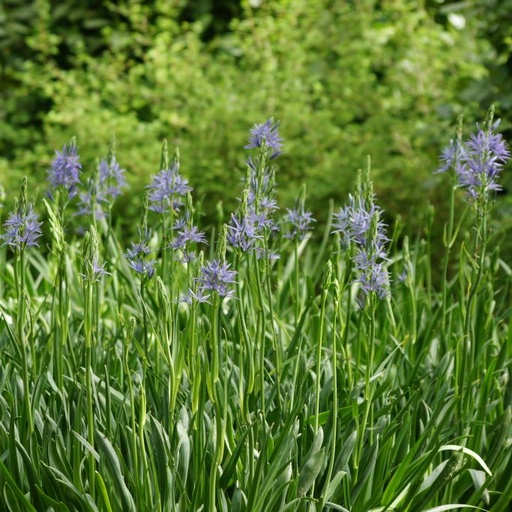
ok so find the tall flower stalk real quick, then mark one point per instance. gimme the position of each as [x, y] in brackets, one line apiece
[93, 271]
[64, 177]
[166, 196]
[251, 231]
[362, 235]
[298, 222]
[216, 278]
[60, 295]
[22, 230]
[107, 184]
[477, 163]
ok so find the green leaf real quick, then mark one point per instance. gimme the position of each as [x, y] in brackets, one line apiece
[20, 495]
[333, 485]
[310, 471]
[103, 493]
[442, 508]
[88, 447]
[161, 450]
[469, 452]
[114, 466]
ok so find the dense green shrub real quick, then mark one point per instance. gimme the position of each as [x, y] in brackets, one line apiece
[347, 80]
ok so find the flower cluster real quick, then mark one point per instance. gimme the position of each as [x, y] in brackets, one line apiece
[299, 220]
[215, 276]
[242, 232]
[112, 179]
[477, 162]
[266, 135]
[22, 228]
[254, 224]
[138, 255]
[186, 234]
[246, 229]
[359, 225]
[94, 269]
[104, 190]
[65, 169]
[167, 189]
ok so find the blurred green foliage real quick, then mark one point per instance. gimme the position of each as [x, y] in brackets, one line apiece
[347, 79]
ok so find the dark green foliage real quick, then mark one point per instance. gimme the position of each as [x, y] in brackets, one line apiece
[347, 79]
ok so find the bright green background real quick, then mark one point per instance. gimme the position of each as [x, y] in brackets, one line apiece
[346, 79]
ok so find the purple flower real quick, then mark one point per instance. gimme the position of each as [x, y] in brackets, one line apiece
[266, 135]
[216, 276]
[181, 222]
[111, 180]
[190, 297]
[65, 169]
[373, 276]
[143, 267]
[245, 231]
[450, 155]
[403, 276]
[360, 227]
[477, 162]
[95, 270]
[300, 222]
[103, 190]
[22, 229]
[87, 204]
[187, 235]
[138, 249]
[166, 190]
[242, 233]
[137, 255]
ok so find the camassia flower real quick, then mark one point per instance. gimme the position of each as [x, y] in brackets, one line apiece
[185, 236]
[103, 190]
[266, 135]
[138, 255]
[167, 189]
[22, 228]
[253, 225]
[216, 276]
[94, 270]
[360, 227]
[299, 221]
[65, 169]
[242, 232]
[477, 162]
[112, 179]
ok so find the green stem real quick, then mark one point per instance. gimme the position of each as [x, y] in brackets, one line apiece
[276, 345]
[368, 388]
[318, 359]
[62, 322]
[297, 293]
[334, 436]
[261, 333]
[448, 243]
[245, 349]
[88, 327]
[19, 269]
[215, 347]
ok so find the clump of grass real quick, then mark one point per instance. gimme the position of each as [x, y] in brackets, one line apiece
[258, 371]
